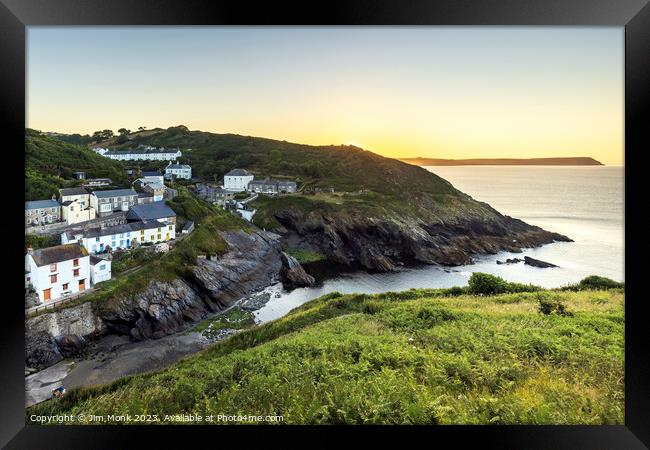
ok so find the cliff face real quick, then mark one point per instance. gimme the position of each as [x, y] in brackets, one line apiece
[164, 307]
[379, 244]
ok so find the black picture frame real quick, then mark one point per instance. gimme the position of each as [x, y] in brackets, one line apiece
[634, 15]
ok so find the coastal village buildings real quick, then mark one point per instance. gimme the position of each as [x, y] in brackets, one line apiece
[144, 197]
[270, 186]
[147, 153]
[175, 170]
[40, 212]
[215, 195]
[78, 194]
[58, 271]
[100, 240]
[75, 205]
[100, 269]
[237, 180]
[157, 211]
[106, 202]
[98, 182]
[100, 150]
[152, 177]
[156, 189]
[72, 212]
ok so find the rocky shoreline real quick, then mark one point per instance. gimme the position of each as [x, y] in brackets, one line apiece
[382, 244]
[165, 310]
[254, 262]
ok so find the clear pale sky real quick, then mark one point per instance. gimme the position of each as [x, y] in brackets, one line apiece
[440, 92]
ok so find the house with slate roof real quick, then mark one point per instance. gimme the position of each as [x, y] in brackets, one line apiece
[157, 211]
[58, 271]
[41, 212]
[237, 180]
[100, 240]
[109, 201]
[175, 170]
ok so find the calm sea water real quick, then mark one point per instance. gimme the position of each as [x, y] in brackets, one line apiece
[584, 203]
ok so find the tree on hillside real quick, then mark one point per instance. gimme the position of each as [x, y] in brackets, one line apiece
[124, 131]
[142, 128]
[99, 136]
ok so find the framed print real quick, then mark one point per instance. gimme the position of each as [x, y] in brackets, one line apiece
[421, 217]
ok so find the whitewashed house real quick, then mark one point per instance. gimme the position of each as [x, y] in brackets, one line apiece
[107, 202]
[144, 154]
[152, 177]
[100, 150]
[72, 212]
[175, 170]
[78, 194]
[100, 269]
[58, 271]
[237, 180]
[99, 240]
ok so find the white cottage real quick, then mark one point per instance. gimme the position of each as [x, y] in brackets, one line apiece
[237, 180]
[100, 269]
[59, 271]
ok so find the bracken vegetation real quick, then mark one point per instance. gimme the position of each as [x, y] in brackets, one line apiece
[429, 356]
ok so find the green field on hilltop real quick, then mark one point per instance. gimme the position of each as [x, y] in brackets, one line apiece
[430, 356]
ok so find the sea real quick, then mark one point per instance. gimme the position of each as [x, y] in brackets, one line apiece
[585, 203]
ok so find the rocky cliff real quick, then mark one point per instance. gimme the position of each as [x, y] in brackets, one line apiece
[164, 307]
[380, 244]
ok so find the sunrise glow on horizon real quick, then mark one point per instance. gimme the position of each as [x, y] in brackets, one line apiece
[433, 92]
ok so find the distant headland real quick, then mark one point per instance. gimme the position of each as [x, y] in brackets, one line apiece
[567, 161]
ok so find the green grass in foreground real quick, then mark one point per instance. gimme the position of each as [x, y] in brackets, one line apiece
[435, 356]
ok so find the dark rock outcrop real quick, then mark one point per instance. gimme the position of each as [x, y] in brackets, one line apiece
[381, 244]
[537, 263]
[163, 308]
[292, 273]
[510, 261]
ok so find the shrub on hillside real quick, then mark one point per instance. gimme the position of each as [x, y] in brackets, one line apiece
[551, 304]
[486, 284]
[594, 282]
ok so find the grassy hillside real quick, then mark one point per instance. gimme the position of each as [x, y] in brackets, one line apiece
[50, 163]
[437, 356]
[363, 182]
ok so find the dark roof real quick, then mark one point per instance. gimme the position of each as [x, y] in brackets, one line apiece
[38, 204]
[144, 194]
[114, 193]
[152, 174]
[189, 224]
[67, 202]
[59, 253]
[178, 166]
[96, 260]
[238, 173]
[150, 211]
[73, 191]
[117, 229]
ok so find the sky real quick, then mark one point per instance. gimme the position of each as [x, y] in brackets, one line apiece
[437, 92]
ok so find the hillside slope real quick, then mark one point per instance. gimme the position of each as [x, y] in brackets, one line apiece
[354, 206]
[419, 356]
[50, 163]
